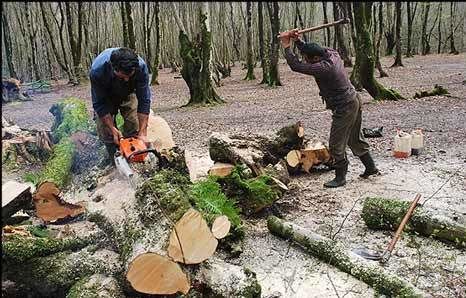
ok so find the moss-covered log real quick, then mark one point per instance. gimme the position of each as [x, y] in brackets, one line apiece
[54, 275]
[251, 194]
[160, 202]
[96, 286]
[334, 253]
[71, 115]
[18, 249]
[386, 214]
[438, 90]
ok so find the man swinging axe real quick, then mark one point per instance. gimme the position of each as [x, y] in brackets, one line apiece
[336, 90]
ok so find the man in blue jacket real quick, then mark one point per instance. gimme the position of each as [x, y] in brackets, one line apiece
[120, 82]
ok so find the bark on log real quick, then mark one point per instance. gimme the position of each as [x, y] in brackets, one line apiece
[334, 253]
[96, 285]
[160, 202]
[18, 249]
[386, 214]
[54, 275]
[256, 151]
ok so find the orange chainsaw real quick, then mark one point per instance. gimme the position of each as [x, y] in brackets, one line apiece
[132, 150]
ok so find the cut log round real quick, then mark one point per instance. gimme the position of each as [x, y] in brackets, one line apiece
[159, 133]
[293, 159]
[335, 254]
[50, 207]
[314, 154]
[221, 226]
[151, 273]
[191, 240]
[221, 169]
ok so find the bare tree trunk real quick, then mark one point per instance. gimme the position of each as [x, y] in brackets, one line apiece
[327, 32]
[390, 33]
[425, 41]
[129, 19]
[235, 33]
[249, 62]
[8, 49]
[379, 40]
[411, 14]
[30, 29]
[155, 69]
[124, 25]
[452, 35]
[439, 28]
[342, 49]
[274, 75]
[364, 54]
[264, 64]
[75, 45]
[398, 35]
[300, 19]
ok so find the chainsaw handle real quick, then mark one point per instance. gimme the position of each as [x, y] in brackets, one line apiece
[144, 151]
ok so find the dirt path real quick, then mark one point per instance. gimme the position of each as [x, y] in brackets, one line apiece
[286, 271]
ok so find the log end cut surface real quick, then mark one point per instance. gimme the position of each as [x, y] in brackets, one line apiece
[221, 226]
[151, 273]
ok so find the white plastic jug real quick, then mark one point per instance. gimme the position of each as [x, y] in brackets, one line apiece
[402, 144]
[417, 142]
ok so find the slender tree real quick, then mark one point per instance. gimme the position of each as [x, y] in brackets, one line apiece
[327, 36]
[390, 31]
[364, 54]
[439, 28]
[264, 63]
[274, 75]
[398, 61]
[129, 19]
[31, 34]
[155, 67]
[8, 48]
[411, 14]
[424, 37]
[342, 48]
[452, 35]
[378, 65]
[249, 61]
[124, 24]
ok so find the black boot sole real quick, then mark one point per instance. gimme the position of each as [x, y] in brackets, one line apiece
[367, 175]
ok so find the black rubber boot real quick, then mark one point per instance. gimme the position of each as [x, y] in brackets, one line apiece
[340, 177]
[368, 162]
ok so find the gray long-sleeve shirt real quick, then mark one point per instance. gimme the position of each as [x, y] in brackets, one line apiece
[330, 75]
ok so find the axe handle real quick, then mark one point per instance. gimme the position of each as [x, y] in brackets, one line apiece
[323, 26]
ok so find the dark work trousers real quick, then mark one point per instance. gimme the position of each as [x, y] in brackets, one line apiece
[128, 110]
[346, 130]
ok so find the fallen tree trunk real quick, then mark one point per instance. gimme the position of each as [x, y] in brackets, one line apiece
[334, 253]
[386, 214]
[19, 249]
[96, 285]
[54, 275]
[256, 151]
[142, 238]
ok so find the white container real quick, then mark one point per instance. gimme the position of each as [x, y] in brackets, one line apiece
[402, 145]
[417, 142]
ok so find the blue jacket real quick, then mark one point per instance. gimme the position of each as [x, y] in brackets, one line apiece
[108, 91]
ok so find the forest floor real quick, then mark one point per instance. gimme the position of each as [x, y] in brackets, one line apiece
[285, 270]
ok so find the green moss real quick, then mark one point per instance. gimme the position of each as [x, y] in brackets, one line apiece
[438, 90]
[73, 117]
[252, 194]
[335, 254]
[39, 231]
[119, 121]
[386, 214]
[18, 249]
[164, 194]
[58, 167]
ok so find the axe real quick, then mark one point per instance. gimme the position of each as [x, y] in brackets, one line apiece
[323, 26]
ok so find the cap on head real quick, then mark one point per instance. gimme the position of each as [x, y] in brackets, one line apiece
[312, 49]
[124, 60]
